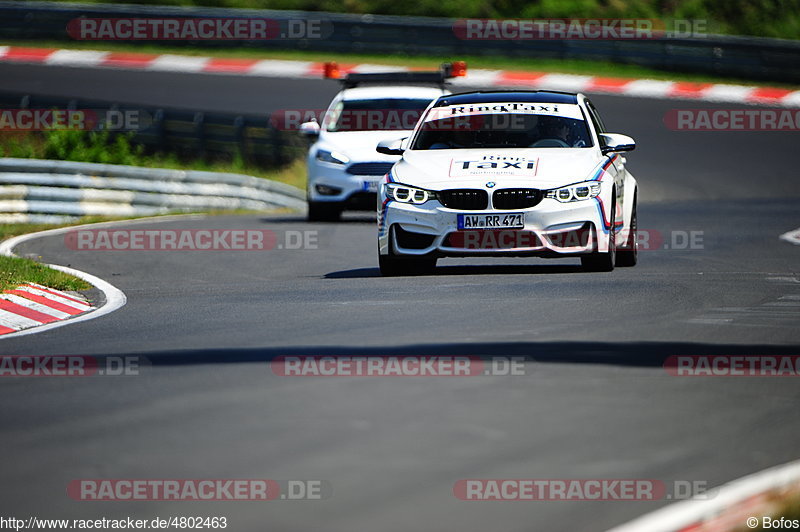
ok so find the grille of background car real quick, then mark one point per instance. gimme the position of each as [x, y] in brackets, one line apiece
[516, 198]
[465, 199]
[369, 168]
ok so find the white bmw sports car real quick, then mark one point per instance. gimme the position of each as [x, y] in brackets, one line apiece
[519, 173]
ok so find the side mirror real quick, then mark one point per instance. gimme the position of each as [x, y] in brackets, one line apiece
[616, 143]
[391, 147]
[310, 130]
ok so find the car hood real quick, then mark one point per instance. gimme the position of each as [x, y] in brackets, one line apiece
[359, 146]
[541, 168]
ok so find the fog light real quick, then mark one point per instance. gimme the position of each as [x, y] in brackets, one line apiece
[325, 190]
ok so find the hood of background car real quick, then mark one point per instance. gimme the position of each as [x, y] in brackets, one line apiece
[359, 146]
[541, 168]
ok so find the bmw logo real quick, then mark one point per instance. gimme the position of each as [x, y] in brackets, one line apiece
[490, 184]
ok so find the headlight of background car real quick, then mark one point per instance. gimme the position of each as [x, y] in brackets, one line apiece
[332, 157]
[406, 194]
[579, 192]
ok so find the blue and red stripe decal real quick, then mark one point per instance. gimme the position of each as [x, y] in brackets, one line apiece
[598, 176]
[386, 202]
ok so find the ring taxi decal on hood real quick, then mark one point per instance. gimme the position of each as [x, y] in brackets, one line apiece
[494, 165]
[565, 110]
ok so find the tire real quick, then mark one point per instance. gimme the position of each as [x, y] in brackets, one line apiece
[323, 211]
[422, 266]
[392, 266]
[603, 261]
[628, 255]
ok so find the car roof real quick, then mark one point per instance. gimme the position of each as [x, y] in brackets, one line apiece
[508, 96]
[391, 91]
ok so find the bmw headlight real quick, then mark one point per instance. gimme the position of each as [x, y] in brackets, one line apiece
[577, 192]
[332, 157]
[407, 194]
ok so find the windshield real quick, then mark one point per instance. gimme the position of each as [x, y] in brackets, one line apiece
[384, 114]
[459, 127]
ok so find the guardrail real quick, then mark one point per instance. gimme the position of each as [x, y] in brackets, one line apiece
[746, 57]
[44, 191]
[191, 132]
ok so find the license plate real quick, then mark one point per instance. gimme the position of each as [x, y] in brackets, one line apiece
[370, 186]
[509, 220]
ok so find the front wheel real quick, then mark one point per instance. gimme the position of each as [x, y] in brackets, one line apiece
[391, 265]
[628, 255]
[319, 211]
[602, 261]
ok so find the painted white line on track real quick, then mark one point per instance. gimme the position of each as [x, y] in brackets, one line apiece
[714, 503]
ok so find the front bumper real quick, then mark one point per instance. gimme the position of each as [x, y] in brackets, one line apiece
[333, 184]
[551, 229]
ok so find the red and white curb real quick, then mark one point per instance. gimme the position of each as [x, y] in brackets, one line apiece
[33, 308]
[713, 92]
[792, 236]
[32, 305]
[732, 506]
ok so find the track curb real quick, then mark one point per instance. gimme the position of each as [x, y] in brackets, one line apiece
[728, 507]
[648, 88]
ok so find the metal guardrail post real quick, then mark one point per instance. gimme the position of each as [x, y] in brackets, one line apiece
[199, 133]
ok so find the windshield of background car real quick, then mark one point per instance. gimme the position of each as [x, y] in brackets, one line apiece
[375, 114]
[503, 125]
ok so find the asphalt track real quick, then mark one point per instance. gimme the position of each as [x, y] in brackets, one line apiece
[595, 401]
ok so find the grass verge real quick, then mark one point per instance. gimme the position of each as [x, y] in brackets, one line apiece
[15, 271]
[567, 66]
[789, 509]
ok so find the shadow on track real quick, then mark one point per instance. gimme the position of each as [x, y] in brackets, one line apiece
[527, 269]
[633, 354]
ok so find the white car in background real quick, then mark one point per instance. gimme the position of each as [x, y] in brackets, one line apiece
[509, 173]
[344, 170]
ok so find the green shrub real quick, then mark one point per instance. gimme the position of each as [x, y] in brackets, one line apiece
[90, 147]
